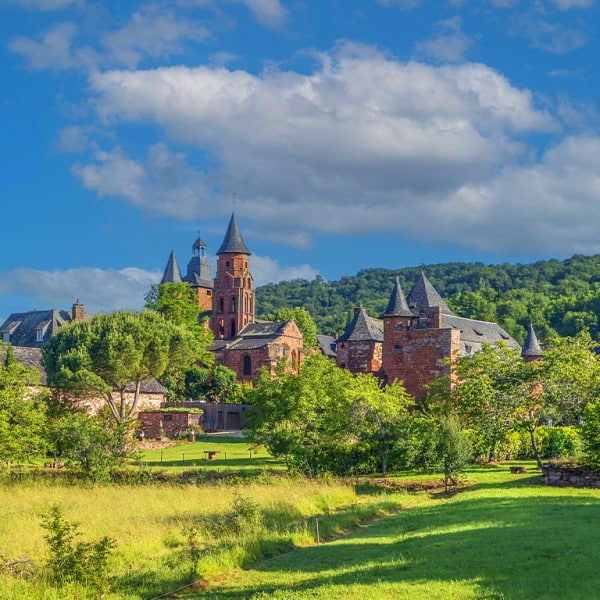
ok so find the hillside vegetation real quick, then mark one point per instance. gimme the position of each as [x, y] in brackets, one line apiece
[558, 297]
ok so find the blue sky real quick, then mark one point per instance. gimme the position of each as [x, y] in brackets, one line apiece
[346, 134]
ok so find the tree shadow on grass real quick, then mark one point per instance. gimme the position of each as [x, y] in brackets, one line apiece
[511, 547]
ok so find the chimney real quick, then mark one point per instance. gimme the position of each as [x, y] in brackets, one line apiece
[77, 314]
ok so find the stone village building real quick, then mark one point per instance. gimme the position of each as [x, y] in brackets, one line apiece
[242, 342]
[410, 342]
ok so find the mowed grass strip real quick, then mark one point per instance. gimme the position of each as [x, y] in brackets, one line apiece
[506, 537]
[231, 453]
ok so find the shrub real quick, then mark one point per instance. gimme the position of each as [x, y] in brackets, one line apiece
[336, 459]
[82, 562]
[453, 450]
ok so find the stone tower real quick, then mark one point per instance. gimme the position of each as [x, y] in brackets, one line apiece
[531, 351]
[199, 276]
[414, 342]
[233, 294]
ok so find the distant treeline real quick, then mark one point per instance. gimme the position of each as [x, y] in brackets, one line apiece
[558, 297]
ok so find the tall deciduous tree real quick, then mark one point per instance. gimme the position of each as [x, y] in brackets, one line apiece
[571, 375]
[378, 414]
[292, 410]
[303, 319]
[112, 354]
[492, 392]
[177, 303]
[22, 412]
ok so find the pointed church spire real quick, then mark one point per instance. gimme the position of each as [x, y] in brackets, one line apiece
[424, 296]
[233, 242]
[172, 272]
[531, 347]
[397, 306]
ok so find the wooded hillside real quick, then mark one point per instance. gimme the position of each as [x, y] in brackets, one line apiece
[560, 297]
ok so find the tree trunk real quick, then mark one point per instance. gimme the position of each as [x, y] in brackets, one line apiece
[534, 445]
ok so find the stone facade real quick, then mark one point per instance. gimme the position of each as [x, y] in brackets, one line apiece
[170, 424]
[263, 343]
[417, 356]
[241, 343]
[360, 356]
[418, 337]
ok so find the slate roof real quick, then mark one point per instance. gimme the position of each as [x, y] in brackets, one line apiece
[363, 328]
[327, 343]
[424, 296]
[397, 306]
[172, 273]
[257, 335]
[30, 357]
[473, 333]
[233, 242]
[198, 273]
[254, 335]
[531, 347]
[21, 329]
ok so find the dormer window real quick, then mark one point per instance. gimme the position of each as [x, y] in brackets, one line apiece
[9, 330]
[40, 331]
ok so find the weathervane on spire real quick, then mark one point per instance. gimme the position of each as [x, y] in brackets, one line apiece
[234, 198]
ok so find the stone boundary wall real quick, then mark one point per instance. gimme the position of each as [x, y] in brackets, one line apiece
[570, 476]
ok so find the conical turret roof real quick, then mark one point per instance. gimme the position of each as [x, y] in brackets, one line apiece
[233, 242]
[424, 296]
[363, 328]
[531, 347]
[172, 273]
[397, 306]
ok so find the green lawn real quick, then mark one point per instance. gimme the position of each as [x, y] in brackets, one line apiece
[232, 453]
[506, 537]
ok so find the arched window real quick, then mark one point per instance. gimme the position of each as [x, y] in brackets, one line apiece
[247, 366]
[232, 304]
[221, 305]
[233, 331]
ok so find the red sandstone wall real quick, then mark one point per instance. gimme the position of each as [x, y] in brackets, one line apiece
[359, 357]
[417, 356]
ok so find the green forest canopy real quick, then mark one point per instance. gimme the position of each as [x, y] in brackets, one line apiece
[558, 297]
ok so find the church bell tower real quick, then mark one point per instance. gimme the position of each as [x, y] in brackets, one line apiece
[233, 297]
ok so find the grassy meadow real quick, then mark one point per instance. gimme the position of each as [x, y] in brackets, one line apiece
[150, 524]
[500, 536]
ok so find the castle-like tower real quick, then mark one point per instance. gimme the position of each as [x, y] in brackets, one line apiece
[199, 275]
[233, 296]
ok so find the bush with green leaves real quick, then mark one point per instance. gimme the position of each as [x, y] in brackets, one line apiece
[74, 562]
[96, 445]
[453, 449]
[340, 460]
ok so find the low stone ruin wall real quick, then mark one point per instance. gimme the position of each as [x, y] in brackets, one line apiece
[570, 476]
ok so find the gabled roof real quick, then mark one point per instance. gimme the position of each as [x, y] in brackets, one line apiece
[257, 335]
[363, 328]
[172, 272]
[424, 296]
[531, 347]
[397, 306]
[22, 328]
[473, 333]
[233, 242]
